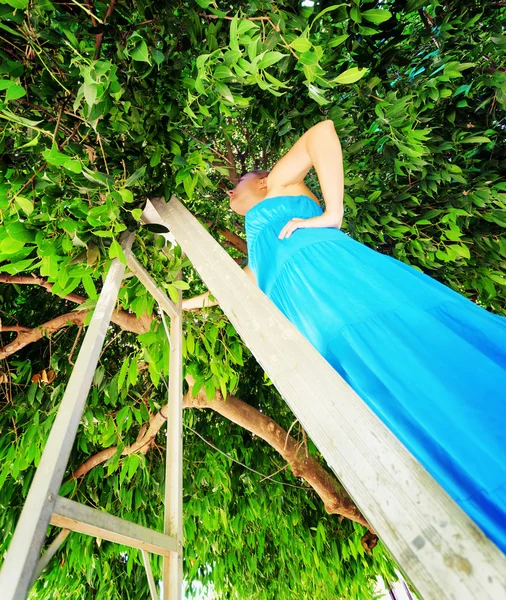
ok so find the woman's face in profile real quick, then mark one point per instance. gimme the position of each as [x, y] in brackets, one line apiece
[250, 190]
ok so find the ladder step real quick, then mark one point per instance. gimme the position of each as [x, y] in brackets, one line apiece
[90, 521]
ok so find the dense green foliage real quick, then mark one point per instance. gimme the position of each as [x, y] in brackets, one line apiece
[417, 91]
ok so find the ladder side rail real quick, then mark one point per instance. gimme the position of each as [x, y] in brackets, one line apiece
[100, 524]
[173, 517]
[437, 546]
[29, 535]
[149, 575]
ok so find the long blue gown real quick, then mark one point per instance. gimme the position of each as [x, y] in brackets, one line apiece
[429, 362]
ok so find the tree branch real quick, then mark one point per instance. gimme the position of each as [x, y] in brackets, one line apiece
[142, 444]
[125, 320]
[34, 335]
[237, 242]
[232, 169]
[100, 36]
[335, 498]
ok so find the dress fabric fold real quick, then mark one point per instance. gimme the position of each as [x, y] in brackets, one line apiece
[430, 363]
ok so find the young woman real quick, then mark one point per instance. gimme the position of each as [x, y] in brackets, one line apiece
[428, 361]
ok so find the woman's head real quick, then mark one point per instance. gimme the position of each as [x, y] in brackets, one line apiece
[250, 190]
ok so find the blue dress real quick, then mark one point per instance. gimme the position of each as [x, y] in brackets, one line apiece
[429, 362]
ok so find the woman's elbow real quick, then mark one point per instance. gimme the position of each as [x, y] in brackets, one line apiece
[329, 124]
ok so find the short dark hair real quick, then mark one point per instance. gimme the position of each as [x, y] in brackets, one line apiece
[258, 172]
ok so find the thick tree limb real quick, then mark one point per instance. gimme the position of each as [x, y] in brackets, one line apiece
[125, 320]
[335, 498]
[237, 242]
[33, 335]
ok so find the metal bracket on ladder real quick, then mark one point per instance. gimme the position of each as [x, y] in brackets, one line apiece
[43, 505]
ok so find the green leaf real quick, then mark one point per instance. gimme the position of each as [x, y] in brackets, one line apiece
[317, 94]
[123, 373]
[25, 204]
[116, 251]
[33, 142]
[180, 285]
[158, 56]
[210, 389]
[301, 44]
[355, 14]
[497, 216]
[18, 232]
[16, 3]
[377, 15]
[90, 93]
[339, 39]
[133, 178]
[122, 416]
[17, 267]
[189, 184]
[497, 278]
[156, 157]
[74, 165]
[134, 461]
[14, 92]
[133, 371]
[224, 91]
[350, 76]
[55, 157]
[10, 116]
[126, 194]
[270, 58]
[475, 139]
[140, 53]
[233, 33]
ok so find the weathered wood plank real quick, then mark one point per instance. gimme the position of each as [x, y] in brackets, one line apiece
[90, 521]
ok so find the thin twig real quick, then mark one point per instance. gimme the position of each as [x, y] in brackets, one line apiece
[288, 433]
[242, 464]
[58, 123]
[13, 45]
[208, 145]
[75, 344]
[87, 11]
[278, 471]
[103, 153]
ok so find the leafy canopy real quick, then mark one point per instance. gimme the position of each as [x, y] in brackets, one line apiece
[98, 112]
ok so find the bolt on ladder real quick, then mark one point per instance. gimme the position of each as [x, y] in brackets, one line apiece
[44, 506]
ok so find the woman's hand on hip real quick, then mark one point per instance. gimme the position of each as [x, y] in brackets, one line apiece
[324, 220]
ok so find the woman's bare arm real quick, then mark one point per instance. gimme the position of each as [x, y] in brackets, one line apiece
[319, 147]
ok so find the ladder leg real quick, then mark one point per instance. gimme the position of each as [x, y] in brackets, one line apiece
[149, 573]
[24, 550]
[173, 564]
